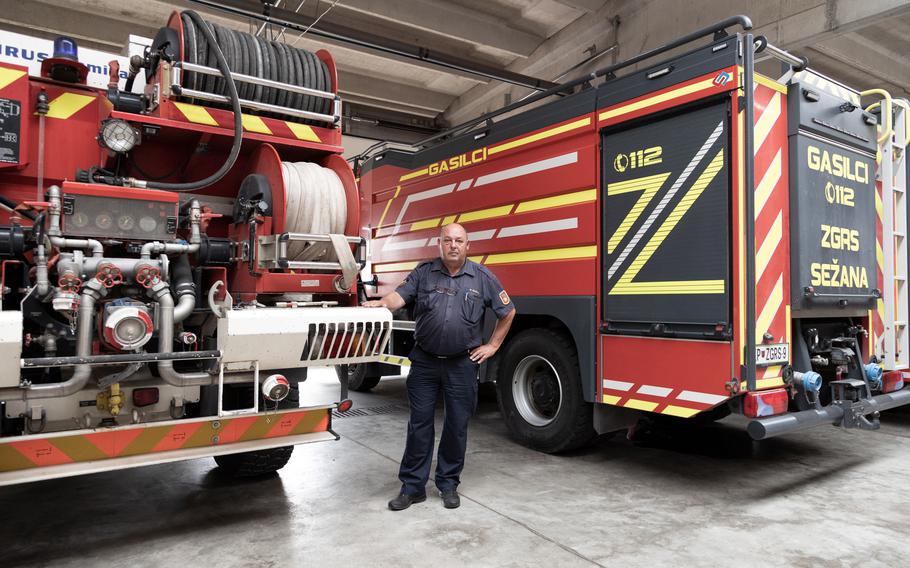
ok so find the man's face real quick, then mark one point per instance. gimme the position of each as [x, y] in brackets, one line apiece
[453, 245]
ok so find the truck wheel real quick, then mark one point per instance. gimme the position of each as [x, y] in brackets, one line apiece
[358, 379]
[255, 463]
[540, 396]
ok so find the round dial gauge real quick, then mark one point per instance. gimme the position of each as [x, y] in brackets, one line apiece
[148, 224]
[126, 222]
[79, 219]
[104, 221]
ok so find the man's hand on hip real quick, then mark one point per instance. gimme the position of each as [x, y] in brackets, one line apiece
[482, 353]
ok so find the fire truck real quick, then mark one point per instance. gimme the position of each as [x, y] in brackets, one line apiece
[683, 241]
[173, 260]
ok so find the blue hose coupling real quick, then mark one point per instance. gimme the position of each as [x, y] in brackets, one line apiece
[874, 373]
[810, 381]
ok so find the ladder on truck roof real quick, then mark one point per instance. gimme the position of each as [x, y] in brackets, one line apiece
[893, 347]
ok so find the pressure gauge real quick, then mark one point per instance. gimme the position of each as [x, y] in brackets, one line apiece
[148, 224]
[79, 219]
[104, 221]
[126, 222]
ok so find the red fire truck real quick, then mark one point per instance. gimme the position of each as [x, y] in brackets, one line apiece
[686, 240]
[170, 265]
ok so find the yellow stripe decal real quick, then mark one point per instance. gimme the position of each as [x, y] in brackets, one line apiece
[254, 124]
[657, 99]
[196, 114]
[670, 288]
[7, 76]
[539, 136]
[648, 185]
[768, 246]
[761, 384]
[395, 267]
[610, 399]
[878, 204]
[770, 310]
[485, 213]
[766, 121]
[303, 132]
[557, 201]
[425, 224]
[449, 219]
[770, 83]
[640, 404]
[547, 254]
[413, 175]
[386, 210]
[394, 360]
[879, 256]
[68, 104]
[768, 182]
[680, 411]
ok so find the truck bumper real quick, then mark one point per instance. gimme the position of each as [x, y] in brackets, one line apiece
[849, 414]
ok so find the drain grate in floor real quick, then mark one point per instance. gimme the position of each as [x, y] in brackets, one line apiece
[372, 411]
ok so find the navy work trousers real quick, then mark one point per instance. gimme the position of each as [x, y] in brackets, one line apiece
[456, 377]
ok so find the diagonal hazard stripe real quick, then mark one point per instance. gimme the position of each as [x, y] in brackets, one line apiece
[766, 121]
[41, 452]
[79, 448]
[303, 132]
[145, 441]
[68, 104]
[7, 76]
[176, 437]
[775, 299]
[254, 124]
[112, 443]
[648, 187]
[283, 425]
[12, 459]
[767, 184]
[768, 246]
[195, 113]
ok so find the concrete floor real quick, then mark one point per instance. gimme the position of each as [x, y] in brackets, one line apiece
[707, 497]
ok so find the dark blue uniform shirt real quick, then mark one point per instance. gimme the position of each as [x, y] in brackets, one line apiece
[449, 309]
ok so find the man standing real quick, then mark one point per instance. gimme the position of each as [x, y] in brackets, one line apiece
[451, 294]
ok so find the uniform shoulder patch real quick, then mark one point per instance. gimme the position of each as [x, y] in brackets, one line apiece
[503, 297]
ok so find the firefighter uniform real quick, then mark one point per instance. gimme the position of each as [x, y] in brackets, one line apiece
[448, 313]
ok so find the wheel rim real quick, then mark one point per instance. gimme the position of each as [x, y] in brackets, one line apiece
[537, 390]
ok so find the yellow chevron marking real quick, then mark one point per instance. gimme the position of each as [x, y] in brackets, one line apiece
[610, 399]
[68, 104]
[7, 76]
[196, 114]
[425, 224]
[770, 309]
[648, 185]
[767, 120]
[640, 404]
[387, 204]
[485, 213]
[546, 254]
[539, 136]
[679, 411]
[766, 186]
[303, 132]
[254, 124]
[413, 175]
[768, 246]
[623, 285]
[657, 99]
[557, 201]
[395, 267]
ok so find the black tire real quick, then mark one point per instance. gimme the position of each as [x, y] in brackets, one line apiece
[540, 397]
[255, 463]
[358, 379]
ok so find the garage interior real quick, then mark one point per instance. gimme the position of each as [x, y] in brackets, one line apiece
[656, 494]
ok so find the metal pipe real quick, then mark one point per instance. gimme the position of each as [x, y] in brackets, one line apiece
[795, 61]
[43, 284]
[178, 90]
[255, 80]
[185, 289]
[763, 428]
[91, 293]
[748, 342]
[118, 359]
[322, 238]
[162, 294]
[157, 247]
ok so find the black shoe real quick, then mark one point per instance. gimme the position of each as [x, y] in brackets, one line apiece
[450, 499]
[405, 500]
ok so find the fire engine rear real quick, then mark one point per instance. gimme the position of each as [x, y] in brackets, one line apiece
[684, 241]
[174, 259]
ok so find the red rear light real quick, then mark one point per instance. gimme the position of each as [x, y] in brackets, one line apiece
[145, 397]
[345, 405]
[892, 381]
[765, 403]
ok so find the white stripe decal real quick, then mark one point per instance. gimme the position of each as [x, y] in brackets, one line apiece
[420, 196]
[464, 185]
[531, 168]
[617, 385]
[535, 228]
[402, 245]
[481, 235]
[764, 124]
[701, 397]
[683, 177]
[654, 391]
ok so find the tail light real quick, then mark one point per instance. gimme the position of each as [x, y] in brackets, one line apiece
[345, 405]
[145, 397]
[765, 403]
[892, 381]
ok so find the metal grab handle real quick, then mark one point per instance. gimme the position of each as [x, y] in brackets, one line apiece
[906, 106]
[886, 112]
[240, 77]
[795, 61]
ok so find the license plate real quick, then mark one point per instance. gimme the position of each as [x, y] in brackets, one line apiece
[772, 354]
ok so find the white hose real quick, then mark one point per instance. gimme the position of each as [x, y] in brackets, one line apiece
[315, 202]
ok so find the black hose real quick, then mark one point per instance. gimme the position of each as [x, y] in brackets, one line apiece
[11, 205]
[235, 107]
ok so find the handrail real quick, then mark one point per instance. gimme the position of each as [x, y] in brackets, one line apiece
[886, 112]
[906, 106]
